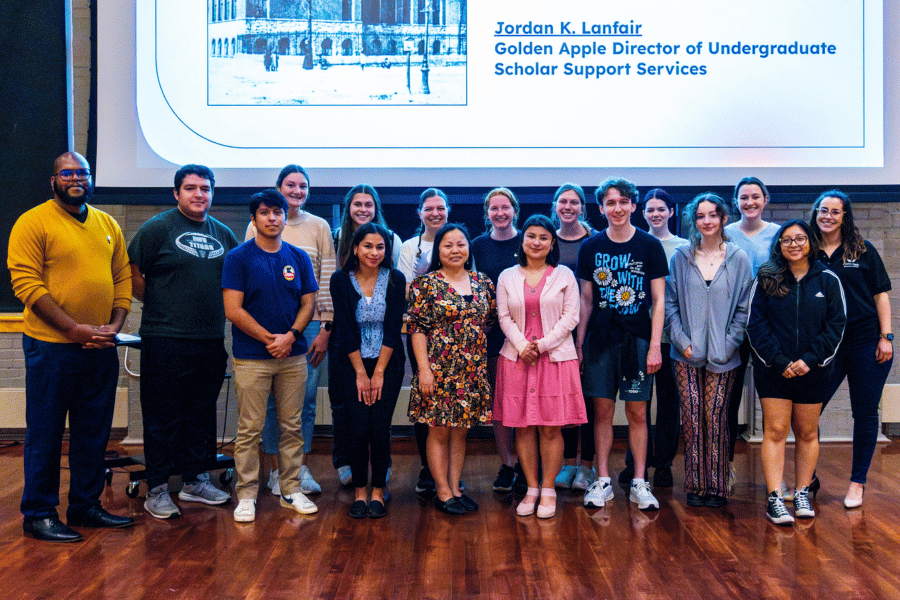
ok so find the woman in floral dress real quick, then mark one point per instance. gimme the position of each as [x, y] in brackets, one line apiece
[450, 308]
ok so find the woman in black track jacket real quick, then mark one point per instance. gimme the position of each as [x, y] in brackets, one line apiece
[796, 323]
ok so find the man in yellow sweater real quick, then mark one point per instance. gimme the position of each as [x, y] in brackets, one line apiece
[70, 268]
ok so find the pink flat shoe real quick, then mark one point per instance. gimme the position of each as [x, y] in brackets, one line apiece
[525, 507]
[543, 511]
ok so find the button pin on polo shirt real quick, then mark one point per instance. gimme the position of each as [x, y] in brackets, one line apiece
[288, 273]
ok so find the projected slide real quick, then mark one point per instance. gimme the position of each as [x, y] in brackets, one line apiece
[512, 84]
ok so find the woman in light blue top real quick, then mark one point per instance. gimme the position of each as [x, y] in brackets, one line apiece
[754, 236]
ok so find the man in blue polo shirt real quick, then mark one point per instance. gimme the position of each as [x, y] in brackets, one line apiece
[269, 290]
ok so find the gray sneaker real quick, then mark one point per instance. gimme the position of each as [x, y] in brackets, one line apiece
[159, 503]
[203, 491]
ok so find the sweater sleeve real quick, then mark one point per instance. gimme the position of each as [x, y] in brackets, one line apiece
[395, 301]
[25, 259]
[825, 345]
[345, 337]
[507, 324]
[571, 312]
[760, 333]
[675, 327]
[324, 268]
[121, 270]
[737, 328]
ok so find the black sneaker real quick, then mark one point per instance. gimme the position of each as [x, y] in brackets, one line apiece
[520, 484]
[425, 485]
[504, 481]
[662, 477]
[626, 476]
[776, 511]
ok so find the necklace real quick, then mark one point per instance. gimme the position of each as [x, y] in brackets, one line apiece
[712, 257]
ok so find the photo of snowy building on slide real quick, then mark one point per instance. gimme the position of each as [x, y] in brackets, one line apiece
[336, 52]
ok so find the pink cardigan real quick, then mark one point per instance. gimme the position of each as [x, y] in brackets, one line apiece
[559, 313]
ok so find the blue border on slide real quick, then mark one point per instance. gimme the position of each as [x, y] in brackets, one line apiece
[206, 57]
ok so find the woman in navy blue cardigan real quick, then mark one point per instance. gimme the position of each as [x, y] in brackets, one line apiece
[369, 302]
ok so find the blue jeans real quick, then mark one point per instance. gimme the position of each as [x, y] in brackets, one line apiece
[61, 379]
[271, 433]
[866, 377]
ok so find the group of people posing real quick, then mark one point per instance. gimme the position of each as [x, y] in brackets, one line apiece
[537, 329]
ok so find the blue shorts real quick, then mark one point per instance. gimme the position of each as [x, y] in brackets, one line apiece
[601, 375]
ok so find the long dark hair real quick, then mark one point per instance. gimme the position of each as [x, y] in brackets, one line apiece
[439, 236]
[345, 229]
[352, 262]
[543, 222]
[852, 242]
[774, 274]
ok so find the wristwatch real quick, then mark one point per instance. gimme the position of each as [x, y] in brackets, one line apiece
[297, 334]
[326, 325]
[888, 336]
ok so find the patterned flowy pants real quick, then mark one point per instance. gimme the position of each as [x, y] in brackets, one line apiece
[704, 426]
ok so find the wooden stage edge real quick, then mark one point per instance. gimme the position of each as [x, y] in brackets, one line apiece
[678, 552]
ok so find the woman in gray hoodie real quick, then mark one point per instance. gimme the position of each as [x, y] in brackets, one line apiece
[707, 295]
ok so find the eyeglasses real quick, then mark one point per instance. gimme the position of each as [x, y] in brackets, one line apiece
[834, 212]
[73, 173]
[800, 240]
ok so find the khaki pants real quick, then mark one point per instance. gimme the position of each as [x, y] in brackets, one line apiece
[254, 379]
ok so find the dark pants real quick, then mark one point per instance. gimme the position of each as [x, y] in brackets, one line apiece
[570, 437]
[338, 371]
[734, 402]
[180, 385]
[662, 446]
[369, 436]
[855, 360]
[420, 429]
[65, 379]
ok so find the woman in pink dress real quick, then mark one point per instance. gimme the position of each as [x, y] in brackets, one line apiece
[538, 384]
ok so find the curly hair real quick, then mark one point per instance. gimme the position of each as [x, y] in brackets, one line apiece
[852, 242]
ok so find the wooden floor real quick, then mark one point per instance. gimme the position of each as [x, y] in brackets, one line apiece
[416, 552]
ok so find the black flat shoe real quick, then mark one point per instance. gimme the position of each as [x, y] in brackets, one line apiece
[376, 509]
[451, 507]
[50, 530]
[359, 509]
[469, 504]
[715, 501]
[695, 499]
[97, 517]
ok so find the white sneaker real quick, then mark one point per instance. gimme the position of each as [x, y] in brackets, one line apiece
[642, 496]
[245, 511]
[599, 493]
[297, 501]
[273, 482]
[584, 478]
[308, 485]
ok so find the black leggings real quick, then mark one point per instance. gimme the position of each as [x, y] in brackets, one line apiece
[370, 426]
